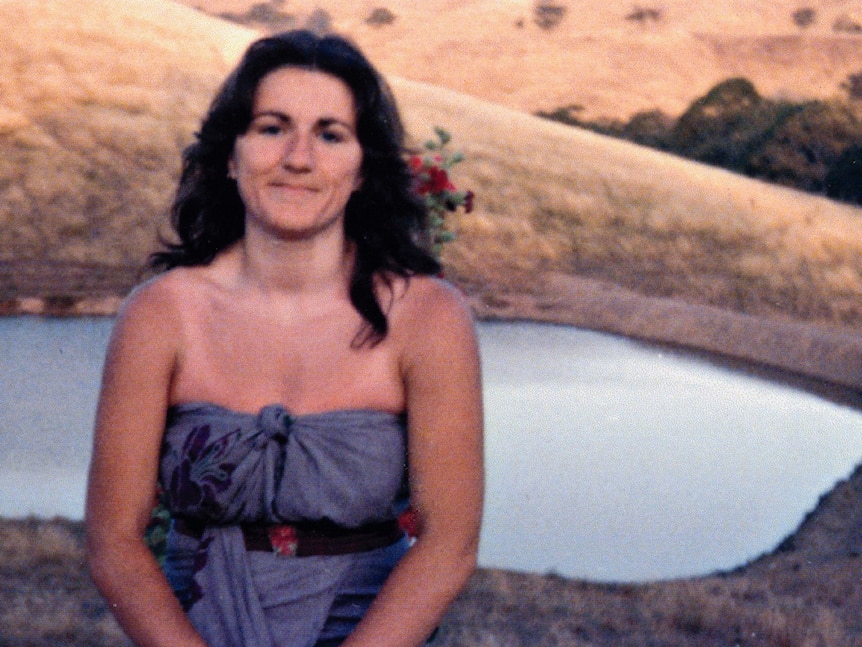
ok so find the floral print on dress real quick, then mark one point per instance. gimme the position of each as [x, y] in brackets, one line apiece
[194, 592]
[202, 474]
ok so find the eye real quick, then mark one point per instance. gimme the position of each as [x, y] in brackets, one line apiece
[270, 128]
[332, 136]
[268, 125]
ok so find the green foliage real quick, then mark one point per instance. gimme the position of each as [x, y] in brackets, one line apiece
[853, 86]
[320, 22]
[728, 126]
[804, 147]
[566, 115]
[156, 533]
[432, 183]
[263, 13]
[267, 14]
[648, 128]
[844, 179]
[732, 126]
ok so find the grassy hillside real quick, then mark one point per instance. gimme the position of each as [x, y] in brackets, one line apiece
[582, 229]
[555, 199]
[805, 594]
[599, 55]
[96, 109]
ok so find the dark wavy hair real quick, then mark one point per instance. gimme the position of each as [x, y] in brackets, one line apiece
[384, 218]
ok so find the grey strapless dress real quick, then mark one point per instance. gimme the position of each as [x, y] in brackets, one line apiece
[226, 468]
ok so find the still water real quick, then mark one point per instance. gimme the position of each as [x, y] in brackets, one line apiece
[606, 459]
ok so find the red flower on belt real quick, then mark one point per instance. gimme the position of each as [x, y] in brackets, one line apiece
[284, 540]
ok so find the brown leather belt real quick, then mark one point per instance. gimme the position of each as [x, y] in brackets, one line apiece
[308, 538]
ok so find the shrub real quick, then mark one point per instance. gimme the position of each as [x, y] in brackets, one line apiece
[844, 179]
[320, 22]
[804, 17]
[565, 115]
[262, 13]
[380, 16]
[853, 85]
[547, 14]
[727, 126]
[643, 15]
[266, 14]
[805, 146]
[808, 146]
[847, 24]
[649, 128]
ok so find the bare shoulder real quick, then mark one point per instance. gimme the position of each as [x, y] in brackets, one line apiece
[155, 308]
[157, 295]
[431, 324]
[428, 302]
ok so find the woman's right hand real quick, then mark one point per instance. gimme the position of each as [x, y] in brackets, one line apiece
[130, 419]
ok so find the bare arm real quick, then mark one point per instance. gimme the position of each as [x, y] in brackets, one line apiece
[129, 426]
[444, 407]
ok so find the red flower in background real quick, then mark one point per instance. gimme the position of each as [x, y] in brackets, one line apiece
[433, 180]
[434, 186]
[468, 202]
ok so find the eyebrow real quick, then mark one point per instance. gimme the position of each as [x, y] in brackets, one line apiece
[324, 121]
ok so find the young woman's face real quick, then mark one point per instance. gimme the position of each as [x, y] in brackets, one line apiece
[300, 158]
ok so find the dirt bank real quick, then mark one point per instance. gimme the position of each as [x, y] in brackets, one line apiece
[828, 359]
[803, 594]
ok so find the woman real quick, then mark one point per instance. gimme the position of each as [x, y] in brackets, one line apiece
[279, 378]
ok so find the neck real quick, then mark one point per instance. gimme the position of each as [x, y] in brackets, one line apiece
[318, 264]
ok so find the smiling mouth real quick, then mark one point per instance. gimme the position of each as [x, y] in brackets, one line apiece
[292, 192]
[294, 188]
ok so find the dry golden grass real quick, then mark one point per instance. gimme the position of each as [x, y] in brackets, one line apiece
[47, 598]
[97, 106]
[804, 595]
[596, 57]
[554, 199]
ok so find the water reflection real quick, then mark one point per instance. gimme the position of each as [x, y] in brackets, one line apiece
[606, 459]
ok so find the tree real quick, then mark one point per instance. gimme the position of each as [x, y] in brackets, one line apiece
[380, 16]
[644, 15]
[727, 126]
[802, 150]
[547, 14]
[844, 179]
[804, 17]
[649, 128]
[853, 85]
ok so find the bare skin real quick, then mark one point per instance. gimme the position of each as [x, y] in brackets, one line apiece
[270, 321]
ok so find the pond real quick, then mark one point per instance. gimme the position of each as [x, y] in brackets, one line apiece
[607, 459]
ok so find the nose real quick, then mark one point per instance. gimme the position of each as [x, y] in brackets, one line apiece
[299, 152]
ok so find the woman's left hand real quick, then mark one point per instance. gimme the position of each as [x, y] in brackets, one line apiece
[433, 327]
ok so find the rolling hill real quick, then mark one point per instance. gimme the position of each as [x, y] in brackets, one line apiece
[99, 97]
[612, 59]
[569, 226]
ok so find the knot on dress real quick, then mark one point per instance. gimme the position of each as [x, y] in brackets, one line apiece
[274, 422]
